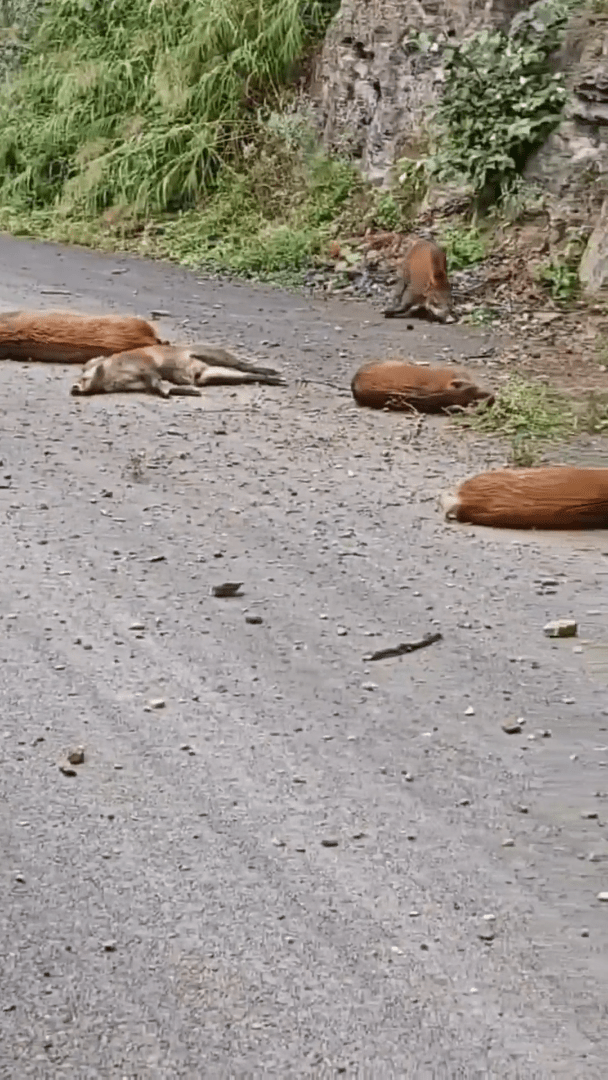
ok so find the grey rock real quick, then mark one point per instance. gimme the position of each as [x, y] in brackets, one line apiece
[559, 628]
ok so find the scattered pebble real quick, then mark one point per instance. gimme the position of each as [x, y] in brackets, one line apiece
[227, 588]
[109, 946]
[470, 711]
[603, 896]
[157, 703]
[341, 631]
[76, 757]
[560, 628]
[329, 842]
[589, 814]
[254, 620]
[508, 843]
[67, 769]
[513, 727]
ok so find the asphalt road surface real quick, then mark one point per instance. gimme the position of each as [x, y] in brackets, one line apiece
[280, 859]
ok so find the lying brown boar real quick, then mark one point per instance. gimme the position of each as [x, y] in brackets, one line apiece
[397, 384]
[556, 497]
[70, 338]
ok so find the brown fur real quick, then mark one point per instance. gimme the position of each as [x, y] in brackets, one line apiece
[70, 338]
[395, 384]
[557, 497]
[186, 367]
[423, 283]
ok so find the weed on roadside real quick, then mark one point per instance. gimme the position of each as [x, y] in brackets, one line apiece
[532, 415]
[527, 415]
[592, 413]
[464, 246]
[561, 279]
[270, 220]
[480, 316]
[135, 467]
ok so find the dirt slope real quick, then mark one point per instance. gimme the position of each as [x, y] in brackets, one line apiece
[303, 863]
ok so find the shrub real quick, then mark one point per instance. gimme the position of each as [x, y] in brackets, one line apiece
[500, 100]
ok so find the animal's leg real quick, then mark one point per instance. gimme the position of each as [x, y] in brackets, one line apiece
[156, 385]
[404, 300]
[220, 358]
[219, 375]
[185, 390]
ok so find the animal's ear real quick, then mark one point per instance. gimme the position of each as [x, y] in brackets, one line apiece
[457, 384]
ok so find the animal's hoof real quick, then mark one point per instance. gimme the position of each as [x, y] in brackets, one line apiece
[449, 503]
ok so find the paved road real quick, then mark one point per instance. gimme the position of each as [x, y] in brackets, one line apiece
[303, 864]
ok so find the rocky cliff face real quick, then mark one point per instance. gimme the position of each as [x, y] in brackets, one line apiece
[375, 92]
[572, 166]
[373, 89]
[576, 154]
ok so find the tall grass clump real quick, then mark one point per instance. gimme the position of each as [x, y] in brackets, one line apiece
[137, 103]
[530, 416]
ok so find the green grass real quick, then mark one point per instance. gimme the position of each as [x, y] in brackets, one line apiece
[465, 246]
[139, 103]
[164, 126]
[530, 416]
[270, 222]
[561, 280]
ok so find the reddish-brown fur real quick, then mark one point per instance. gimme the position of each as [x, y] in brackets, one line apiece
[557, 497]
[423, 283]
[396, 384]
[70, 338]
[154, 370]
